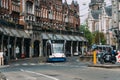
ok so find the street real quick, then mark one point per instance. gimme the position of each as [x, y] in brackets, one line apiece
[70, 70]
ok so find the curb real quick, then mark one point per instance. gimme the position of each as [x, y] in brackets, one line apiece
[4, 66]
[104, 66]
[2, 77]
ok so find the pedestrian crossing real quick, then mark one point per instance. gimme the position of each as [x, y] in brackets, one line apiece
[26, 64]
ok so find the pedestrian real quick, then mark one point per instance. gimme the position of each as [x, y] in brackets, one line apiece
[17, 51]
[5, 57]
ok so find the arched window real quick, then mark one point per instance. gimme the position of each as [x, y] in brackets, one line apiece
[50, 14]
[29, 7]
[96, 26]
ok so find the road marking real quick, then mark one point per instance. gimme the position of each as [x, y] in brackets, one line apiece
[50, 77]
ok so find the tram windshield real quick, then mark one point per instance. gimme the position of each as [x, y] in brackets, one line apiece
[58, 48]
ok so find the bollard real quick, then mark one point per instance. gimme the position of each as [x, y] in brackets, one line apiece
[94, 57]
[1, 61]
[1, 58]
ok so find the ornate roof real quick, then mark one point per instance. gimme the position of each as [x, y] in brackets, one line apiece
[93, 2]
[108, 10]
[96, 13]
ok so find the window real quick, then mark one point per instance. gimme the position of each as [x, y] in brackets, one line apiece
[0, 3]
[119, 6]
[29, 7]
[50, 14]
[6, 4]
[66, 18]
[96, 26]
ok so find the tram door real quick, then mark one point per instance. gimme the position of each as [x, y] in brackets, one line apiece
[49, 51]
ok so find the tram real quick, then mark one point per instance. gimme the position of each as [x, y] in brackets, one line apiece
[55, 51]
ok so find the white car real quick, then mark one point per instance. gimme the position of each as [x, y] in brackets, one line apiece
[76, 53]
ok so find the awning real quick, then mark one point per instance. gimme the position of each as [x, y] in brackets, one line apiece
[59, 37]
[23, 34]
[44, 36]
[83, 39]
[78, 38]
[72, 38]
[52, 36]
[8, 31]
[3, 31]
[16, 33]
[66, 37]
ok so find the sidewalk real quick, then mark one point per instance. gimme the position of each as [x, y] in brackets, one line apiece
[2, 77]
[106, 65]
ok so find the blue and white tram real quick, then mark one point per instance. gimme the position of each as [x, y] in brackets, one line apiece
[55, 51]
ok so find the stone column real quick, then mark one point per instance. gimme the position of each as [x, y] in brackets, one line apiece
[15, 47]
[8, 48]
[71, 48]
[22, 49]
[2, 43]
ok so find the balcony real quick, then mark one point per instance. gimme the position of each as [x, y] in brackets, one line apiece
[16, 6]
[37, 13]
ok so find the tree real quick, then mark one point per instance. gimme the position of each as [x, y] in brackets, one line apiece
[99, 38]
[87, 34]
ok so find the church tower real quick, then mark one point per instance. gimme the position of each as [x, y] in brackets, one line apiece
[96, 4]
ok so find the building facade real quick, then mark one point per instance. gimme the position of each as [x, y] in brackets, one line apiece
[116, 21]
[100, 19]
[26, 26]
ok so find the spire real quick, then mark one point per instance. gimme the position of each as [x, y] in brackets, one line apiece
[72, 1]
[65, 1]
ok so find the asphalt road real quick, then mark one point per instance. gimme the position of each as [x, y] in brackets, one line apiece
[70, 70]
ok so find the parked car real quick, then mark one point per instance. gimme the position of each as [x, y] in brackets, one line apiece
[77, 53]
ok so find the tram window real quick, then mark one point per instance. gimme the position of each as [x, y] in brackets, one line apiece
[58, 48]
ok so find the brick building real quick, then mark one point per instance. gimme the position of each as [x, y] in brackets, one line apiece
[28, 24]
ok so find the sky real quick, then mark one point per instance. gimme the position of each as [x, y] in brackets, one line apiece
[84, 6]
